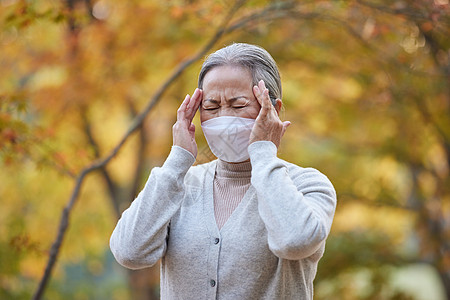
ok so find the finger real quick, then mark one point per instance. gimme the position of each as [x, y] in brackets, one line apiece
[198, 100]
[194, 95]
[182, 109]
[262, 85]
[264, 94]
[266, 97]
[194, 103]
[258, 92]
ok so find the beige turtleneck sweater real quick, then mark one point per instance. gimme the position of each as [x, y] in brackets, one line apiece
[231, 182]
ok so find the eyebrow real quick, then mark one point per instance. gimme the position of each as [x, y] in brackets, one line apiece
[229, 100]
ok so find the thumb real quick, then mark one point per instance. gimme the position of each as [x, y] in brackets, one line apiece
[192, 129]
[286, 124]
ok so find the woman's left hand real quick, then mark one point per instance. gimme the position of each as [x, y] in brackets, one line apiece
[268, 126]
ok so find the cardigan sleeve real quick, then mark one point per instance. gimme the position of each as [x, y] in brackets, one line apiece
[139, 238]
[296, 204]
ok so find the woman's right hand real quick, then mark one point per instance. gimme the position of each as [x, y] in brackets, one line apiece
[183, 130]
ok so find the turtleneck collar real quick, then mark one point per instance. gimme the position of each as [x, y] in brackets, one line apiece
[233, 170]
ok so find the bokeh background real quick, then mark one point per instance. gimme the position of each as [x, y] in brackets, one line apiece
[88, 96]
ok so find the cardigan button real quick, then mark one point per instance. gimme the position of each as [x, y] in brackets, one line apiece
[212, 283]
[216, 241]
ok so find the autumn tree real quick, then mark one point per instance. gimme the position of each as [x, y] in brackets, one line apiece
[89, 91]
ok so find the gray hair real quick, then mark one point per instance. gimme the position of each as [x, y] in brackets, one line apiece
[254, 58]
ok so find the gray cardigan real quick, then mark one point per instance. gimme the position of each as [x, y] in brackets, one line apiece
[268, 249]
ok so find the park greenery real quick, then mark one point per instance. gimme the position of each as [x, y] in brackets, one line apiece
[88, 96]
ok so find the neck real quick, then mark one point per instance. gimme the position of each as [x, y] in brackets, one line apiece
[234, 170]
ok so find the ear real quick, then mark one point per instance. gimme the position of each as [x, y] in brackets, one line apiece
[278, 105]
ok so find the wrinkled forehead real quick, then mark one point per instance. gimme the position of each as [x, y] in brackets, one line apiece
[227, 77]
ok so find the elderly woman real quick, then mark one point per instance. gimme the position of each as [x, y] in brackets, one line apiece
[245, 226]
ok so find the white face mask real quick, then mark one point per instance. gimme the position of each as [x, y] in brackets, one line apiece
[228, 137]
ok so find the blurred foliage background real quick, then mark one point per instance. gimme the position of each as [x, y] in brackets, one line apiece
[366, 87]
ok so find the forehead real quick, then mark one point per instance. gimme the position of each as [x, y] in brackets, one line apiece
[227, 77]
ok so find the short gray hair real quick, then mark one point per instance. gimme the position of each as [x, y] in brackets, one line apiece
[254, 58]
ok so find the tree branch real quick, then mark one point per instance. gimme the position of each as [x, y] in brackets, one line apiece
[140, 153]
[111, 185]
[407, 11]
[64, 222]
